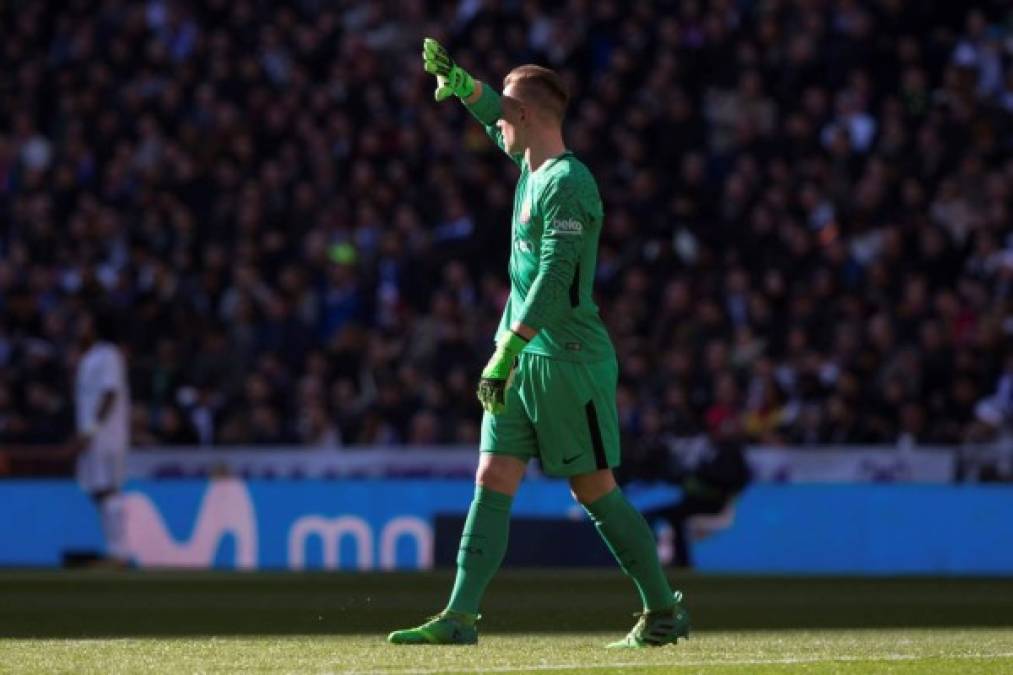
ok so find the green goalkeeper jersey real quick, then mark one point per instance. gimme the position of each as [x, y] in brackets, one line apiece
[557, 219]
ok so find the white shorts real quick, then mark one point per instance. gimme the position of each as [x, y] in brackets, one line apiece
[101, 471]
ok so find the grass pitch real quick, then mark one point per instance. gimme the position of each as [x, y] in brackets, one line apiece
[535, 621]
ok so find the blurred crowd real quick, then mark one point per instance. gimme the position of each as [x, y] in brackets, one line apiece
[807, 236]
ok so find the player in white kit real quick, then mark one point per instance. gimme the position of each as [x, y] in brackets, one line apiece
[102, 400]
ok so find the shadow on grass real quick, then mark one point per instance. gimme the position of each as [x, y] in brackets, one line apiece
[141, 604]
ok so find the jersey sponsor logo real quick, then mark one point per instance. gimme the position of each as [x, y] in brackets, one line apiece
[573, 346]
[567, 226]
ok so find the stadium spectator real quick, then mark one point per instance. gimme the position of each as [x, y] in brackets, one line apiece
[809, 214]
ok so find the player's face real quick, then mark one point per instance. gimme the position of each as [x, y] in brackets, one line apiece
[512, 122]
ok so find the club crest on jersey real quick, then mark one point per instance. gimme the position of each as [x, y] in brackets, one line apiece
[526, 213]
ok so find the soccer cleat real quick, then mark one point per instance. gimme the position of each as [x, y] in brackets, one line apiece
[654, 629]
[446, 628]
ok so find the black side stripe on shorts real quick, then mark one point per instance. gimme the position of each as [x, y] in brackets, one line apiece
[592, 425]
[575, 287]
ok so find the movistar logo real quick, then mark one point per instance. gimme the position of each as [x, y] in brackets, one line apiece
[567, 226]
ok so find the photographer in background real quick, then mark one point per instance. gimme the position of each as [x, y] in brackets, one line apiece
[708, 487]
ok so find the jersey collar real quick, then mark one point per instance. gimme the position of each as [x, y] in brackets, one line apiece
[551, 160]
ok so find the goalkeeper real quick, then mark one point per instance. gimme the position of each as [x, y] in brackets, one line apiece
[549, 389]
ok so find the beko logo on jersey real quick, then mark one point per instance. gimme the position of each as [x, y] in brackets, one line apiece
[568, 226]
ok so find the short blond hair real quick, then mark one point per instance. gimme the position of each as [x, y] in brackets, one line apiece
[541, 86]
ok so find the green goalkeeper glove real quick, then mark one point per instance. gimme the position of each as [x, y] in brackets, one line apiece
[450, 77]
[499, 372]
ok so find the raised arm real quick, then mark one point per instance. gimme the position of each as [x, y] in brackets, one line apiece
[481, 100]
[486, 106]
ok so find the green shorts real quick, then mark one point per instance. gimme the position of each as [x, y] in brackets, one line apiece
[562, 412]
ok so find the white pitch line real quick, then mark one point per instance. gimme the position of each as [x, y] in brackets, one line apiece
[647, 664]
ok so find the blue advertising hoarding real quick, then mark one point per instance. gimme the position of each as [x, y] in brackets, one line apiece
[388, 524]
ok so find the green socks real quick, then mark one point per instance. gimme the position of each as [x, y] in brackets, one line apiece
[483, 544]
[632, 543]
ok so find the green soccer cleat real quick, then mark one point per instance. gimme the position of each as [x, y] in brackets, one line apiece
[446, 628]
[654, 629]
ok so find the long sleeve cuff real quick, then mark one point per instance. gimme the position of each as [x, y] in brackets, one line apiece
[487, 108]
[512, 343]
